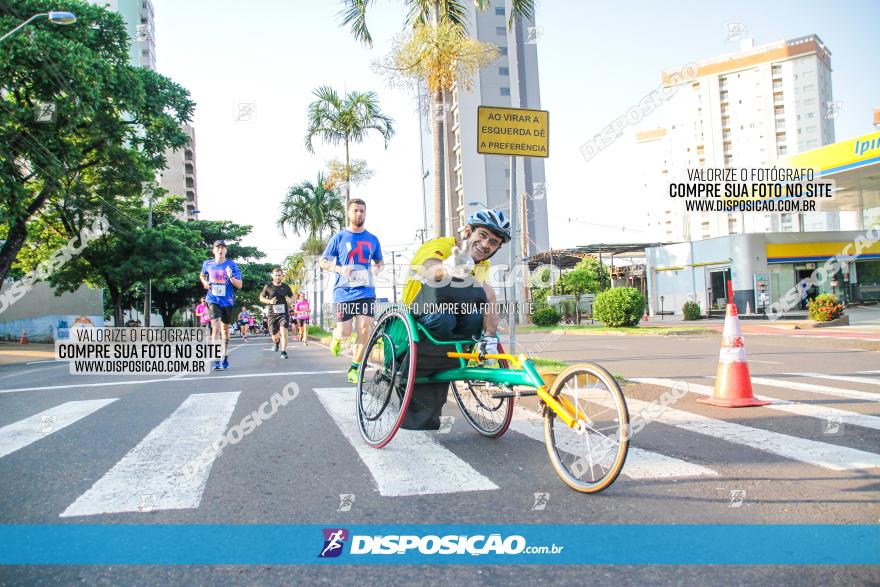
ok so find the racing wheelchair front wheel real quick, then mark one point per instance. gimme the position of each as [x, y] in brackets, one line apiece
[489, 415]
[385, 378]
[589, 459]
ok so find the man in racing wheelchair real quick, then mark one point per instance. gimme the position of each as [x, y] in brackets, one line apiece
[449, 295]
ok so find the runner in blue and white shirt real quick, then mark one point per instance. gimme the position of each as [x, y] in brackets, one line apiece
[350, 254]
[219, 276]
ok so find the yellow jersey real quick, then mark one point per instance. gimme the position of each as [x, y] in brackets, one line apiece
[440, 249]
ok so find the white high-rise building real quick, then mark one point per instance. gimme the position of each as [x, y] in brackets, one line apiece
[475, 180]
[140, 26]
[179, 177]
[743, 109]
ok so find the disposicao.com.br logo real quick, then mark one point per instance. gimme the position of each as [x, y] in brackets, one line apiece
[475, 545]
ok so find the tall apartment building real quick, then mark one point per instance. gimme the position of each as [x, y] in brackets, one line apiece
[475, 180]
[743, 109]
[140, 26]
[179, 177]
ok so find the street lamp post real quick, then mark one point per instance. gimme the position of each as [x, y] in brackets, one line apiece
[148, 298]
[394, 256]
[53, 16]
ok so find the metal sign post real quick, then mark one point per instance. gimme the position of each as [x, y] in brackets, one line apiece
[514, 132]
[511, 307]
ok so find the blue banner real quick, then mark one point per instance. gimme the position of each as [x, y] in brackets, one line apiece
[90, 544]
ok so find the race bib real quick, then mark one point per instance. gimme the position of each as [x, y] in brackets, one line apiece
[218, 290]
[277, 308]
[359, 278]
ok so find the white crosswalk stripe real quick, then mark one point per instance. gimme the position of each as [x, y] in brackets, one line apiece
[414, 463]
[820, 454]
[154, 474]
[640, 463]
[847, 378]
[801, 409]
[19, 434]
[823, 389]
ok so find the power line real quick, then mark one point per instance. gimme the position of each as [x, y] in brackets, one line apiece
[572, 220]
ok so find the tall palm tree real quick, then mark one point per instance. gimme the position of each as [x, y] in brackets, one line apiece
[308, 209]
[420, 12]
[336, 120]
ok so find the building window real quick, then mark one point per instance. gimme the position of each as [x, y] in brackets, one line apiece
[503, 50]
[506, 172]
[782, 150]
[499, 11]
[501, 31]
[503, 71]
[505, 91]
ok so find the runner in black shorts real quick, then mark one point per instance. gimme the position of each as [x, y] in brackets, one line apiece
[355, 255]
[219, 276]
[279, 296]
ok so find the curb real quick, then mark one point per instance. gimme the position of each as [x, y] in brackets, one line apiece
[645, 333]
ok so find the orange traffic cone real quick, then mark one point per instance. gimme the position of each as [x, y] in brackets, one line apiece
[24, 337]
[748, 308]
[733, 383]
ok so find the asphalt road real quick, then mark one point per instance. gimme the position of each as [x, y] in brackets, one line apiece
[96, 450]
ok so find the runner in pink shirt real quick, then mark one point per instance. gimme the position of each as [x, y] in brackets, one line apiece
[302, 309]
[202, 313]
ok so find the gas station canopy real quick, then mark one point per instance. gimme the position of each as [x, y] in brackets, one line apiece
[854, 166]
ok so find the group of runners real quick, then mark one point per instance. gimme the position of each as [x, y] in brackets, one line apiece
[220, 277]
[354, 256]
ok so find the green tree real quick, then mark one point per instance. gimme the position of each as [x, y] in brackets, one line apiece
[122, 259]
[335, 120]
[184, 289]
[254, 275]
[432, 48]
[308, 209]
[585, 277]
[78, 124]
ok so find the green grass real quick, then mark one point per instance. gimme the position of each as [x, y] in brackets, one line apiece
[318, 331]
[638, 330]
[549, 365]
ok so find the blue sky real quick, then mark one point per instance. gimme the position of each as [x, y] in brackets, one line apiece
[595, 60]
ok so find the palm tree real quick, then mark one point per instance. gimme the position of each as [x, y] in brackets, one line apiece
[308, 209]
[419, 12]
[336, 120]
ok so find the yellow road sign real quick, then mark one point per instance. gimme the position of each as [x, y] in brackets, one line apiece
[513, 131]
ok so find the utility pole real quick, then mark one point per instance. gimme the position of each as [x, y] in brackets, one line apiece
[148, 298]
[394, 275]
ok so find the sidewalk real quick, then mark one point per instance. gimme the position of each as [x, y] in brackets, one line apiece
[864, 325]
[12, 353]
